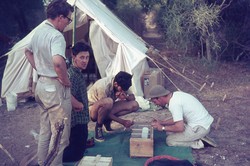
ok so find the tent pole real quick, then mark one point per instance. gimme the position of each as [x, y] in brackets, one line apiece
[74, 26]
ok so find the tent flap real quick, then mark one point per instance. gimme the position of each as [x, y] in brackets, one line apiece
[115, 48]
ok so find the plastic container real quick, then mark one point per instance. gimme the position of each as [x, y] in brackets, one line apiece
[144, 133]
[11, 100]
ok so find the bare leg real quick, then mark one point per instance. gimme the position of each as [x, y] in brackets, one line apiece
[122, 108]
[100, 110]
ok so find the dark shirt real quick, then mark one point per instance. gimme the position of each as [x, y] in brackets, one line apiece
[79, 91]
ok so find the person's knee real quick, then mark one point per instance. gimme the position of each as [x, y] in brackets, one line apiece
[106, 103]
[170, 142]
[93, 119]
[109, 103]
[134, 106]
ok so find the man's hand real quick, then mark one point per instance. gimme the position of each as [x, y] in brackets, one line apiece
[121, 95]
[78, 107]
[128, 123]
[66, 83]
[156, 125]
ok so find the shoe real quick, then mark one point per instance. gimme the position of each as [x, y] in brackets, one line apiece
[90, 142]
[209, 142]
[109, 130]
[197, 144]
[107, 126]
[98, 134]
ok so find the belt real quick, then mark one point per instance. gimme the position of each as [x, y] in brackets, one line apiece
[40, 76]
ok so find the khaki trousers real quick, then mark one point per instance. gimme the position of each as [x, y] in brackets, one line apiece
[190, 137]
[55, 105]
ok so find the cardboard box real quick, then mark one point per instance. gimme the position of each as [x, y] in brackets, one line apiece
[141, 147]
[150, 78]
[96, 161]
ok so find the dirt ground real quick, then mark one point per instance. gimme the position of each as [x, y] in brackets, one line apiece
[227, 101]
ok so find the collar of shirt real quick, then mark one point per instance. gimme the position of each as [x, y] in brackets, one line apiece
[49, 23]
[76, 69]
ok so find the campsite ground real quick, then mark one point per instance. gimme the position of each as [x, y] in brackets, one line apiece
[227, 101]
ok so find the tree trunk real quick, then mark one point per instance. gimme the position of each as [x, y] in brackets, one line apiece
[208, 50]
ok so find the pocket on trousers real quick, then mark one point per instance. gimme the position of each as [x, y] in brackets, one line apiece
[50, 88]
[50, 96]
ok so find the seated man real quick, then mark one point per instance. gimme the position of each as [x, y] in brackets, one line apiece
[190, 121]
[108, 99]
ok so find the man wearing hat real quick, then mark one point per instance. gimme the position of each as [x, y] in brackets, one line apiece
[190, 122]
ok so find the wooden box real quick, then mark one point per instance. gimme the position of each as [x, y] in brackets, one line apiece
[141, 147]
[96, 161]
[151, 77]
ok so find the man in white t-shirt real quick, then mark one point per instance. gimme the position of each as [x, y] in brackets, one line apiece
[46, 54]
[190, 122]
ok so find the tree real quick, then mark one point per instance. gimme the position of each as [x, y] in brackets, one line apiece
[20, 16]
[236, 31]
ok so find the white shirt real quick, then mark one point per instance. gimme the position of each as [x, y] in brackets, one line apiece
[47, 42]
[184, 106]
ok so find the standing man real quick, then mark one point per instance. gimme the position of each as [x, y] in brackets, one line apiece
[80, 112]
[190, 121]
[46, 53]
[109, 98]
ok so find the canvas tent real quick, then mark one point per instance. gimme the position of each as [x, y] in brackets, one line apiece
[115, 48]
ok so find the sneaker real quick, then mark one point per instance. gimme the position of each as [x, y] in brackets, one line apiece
[209, 142]
[98, 134]
[107, 127]
[197, 144]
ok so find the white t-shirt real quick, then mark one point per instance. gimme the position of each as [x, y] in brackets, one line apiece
[186, 107]
[47, 42]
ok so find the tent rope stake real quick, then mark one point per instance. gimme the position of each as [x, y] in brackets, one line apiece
[174, 70]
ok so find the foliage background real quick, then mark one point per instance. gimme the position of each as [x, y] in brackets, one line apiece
[227, 35]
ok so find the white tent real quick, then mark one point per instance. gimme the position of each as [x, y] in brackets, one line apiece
[116, 48]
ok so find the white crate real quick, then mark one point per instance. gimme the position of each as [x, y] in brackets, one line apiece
[96, 161]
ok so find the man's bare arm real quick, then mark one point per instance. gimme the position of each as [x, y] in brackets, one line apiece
[61, 70]
[175, 127]
[29, 55]
[167, 122]
[77, 106]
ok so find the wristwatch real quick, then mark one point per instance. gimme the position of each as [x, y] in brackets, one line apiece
[163, 128]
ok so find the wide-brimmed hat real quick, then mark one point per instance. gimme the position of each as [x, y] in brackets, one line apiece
[157, 91]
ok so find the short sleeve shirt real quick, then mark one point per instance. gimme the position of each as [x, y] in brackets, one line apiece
[45, 43]
[102, 88]
[186, 107]
[79, 91]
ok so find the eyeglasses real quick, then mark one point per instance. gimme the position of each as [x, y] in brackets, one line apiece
[69, 19]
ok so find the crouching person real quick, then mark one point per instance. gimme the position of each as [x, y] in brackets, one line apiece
[190, 121]
[109, 98]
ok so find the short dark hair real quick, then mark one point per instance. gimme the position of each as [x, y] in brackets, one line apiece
[57, 8]
[123, 79]
[80, 47]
